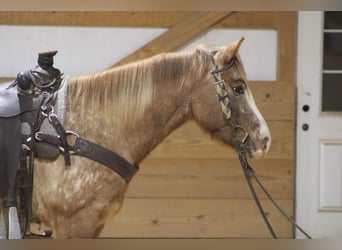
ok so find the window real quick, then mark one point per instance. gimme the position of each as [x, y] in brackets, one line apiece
[332, 62]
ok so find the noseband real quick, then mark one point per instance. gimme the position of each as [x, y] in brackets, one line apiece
[222, 93]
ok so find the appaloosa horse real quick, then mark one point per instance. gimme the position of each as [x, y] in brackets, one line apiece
[130, 109]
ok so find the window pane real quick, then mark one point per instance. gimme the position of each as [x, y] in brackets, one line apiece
[332, 92]
[332, 51]
[333, 20]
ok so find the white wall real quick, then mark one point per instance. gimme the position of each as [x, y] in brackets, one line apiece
[258, 50]
[84, 50]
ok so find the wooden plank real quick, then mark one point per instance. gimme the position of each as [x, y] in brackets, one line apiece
[93, 18]
[287, 47]
[189, 141]
[275, 100]
[184, 218]
[251, 20]
[213, 178]
[188, 28]
[6, 79]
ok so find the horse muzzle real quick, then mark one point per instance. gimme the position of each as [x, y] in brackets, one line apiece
[259, 150]
[253, 149]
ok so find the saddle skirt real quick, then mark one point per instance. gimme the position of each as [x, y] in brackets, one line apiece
[10, 139]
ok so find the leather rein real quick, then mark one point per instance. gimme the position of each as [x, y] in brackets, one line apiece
[222, 93]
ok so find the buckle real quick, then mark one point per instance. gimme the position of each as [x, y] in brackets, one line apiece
[71, 142]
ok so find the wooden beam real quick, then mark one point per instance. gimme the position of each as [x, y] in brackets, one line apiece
[287, 47]
[188, 28]
[6, 79]
[93, 18]
[247, 19]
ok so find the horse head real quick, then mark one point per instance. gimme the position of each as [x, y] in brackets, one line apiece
[233, 117]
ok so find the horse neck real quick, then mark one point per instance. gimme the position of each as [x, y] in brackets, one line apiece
[167, 113]
[166, 108]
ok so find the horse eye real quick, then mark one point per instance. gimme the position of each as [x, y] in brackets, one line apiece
[239, 90]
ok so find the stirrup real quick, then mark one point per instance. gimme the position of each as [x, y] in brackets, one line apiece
[14, 231]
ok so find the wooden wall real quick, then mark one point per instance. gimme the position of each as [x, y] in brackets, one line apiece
[191, 186]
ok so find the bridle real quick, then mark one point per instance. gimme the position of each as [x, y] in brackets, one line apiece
[222, 93]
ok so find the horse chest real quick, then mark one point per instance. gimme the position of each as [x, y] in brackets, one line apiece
[77, 186]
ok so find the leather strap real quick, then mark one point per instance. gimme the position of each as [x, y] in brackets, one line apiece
[94, 152]
[62, 137]
[249, 173]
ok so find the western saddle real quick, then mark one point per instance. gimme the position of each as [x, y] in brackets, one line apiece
[19, 120]
[24, 105]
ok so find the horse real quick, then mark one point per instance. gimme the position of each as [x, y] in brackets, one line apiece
[130, 109]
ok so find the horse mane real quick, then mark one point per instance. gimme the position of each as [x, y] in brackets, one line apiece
[126, 91]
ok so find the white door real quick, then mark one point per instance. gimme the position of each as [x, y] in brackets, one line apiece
[319, 137]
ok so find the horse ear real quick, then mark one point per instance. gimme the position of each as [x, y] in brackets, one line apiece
[225, 55]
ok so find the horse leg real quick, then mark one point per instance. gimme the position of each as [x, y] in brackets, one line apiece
[85, 223]
[99, 230]
[75, 226]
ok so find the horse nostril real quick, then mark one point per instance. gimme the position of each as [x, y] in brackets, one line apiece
[265, 141]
